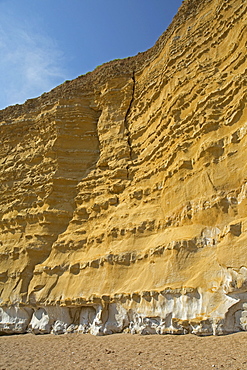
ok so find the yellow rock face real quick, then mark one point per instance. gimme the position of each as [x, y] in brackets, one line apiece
[123, 193]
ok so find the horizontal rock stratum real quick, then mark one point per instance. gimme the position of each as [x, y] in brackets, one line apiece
[123, 201]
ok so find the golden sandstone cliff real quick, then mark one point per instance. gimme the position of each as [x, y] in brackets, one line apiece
[124, 192]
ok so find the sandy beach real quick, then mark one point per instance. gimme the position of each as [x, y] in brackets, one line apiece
[123, 351]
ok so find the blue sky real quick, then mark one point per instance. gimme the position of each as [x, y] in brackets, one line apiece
[45, 42]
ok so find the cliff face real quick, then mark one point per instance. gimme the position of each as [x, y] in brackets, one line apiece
[124, 195]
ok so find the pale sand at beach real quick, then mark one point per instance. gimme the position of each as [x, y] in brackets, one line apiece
[123, 351]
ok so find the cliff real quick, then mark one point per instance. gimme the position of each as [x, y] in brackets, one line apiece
[123, 192]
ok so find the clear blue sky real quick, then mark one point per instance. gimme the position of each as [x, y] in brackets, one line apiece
[45, 42]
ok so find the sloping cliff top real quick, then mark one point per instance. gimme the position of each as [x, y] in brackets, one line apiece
[189, 9]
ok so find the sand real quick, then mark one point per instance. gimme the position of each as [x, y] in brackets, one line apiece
[123, 351]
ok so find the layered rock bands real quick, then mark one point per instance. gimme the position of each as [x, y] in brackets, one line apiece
[124, 192]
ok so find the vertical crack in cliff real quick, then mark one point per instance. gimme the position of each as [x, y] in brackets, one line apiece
[126, 122]
[211, 182]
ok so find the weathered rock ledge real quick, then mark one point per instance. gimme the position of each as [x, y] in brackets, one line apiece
[124, 193]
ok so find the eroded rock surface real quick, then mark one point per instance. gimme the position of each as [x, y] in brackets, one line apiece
[124, 195]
